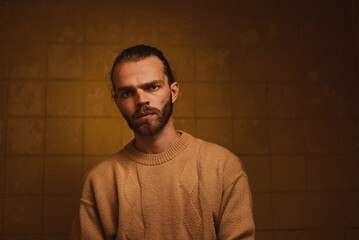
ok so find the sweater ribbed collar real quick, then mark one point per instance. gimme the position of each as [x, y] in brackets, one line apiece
[158, 158]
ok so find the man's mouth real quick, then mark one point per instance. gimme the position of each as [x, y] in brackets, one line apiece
[145, 115]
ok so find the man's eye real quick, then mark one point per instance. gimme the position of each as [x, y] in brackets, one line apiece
[154, 87]
[126, 94]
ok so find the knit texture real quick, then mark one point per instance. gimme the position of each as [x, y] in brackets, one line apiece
[194, 190]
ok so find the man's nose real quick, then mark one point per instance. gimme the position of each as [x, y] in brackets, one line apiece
[141, 97]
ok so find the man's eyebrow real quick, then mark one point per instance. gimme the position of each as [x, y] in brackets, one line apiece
[145, 85]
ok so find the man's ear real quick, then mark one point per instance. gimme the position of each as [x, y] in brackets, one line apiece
[174, 91]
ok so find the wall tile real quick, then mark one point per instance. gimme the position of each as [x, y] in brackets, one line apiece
[350, 165]
[30, 24]
[63, 175]
[292, 235]
[176, 30]
[146, 26]
[22, 237]
[262, 210]
[322, 136]
[283, 65]
[250, 100]
[3, 57]
[23, 214]
[2, 176]
[185, 105]
[284, 212]
[324, 173]
[1, 213]
[325, 210]
[326, 234]
[213, 64]
[65, 61]
[319, 101]
[249, 65]
[287, 136]
[251, 136]
[218, 131]
[103, 26]
[2, 135]
[187, 125]
[213, 100]
[26, 98]
[25, 136]
[59, 212]
[56, 237]
[4, 12]
[182, 62]
[66, 25]
[24, 175]
[98, 99]
[64, 98]
[347, 96]
[285, 100]
[352, 234]
[351, 209]
[103, 135]
[258, 171]
[27, 61]
[349, 136]
[288, 173]
[3, 98]
[99, 60]
[64, 136]
[264, 235]
[92, 161]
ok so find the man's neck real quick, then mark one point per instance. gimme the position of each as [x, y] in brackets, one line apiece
[160, 142]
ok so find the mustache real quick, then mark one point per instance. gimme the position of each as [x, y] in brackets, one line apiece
[144, 110]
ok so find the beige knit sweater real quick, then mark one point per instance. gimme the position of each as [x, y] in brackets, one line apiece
[194, 190]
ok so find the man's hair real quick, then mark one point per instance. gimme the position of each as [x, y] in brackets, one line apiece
[140, 52]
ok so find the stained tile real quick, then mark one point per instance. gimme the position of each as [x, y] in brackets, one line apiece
[212, 64]
[325, 210]
[64, 136]
[65, 61]
[349, 136]
[327, 234]
[103, 26]
[103, 135]
[66, 24]
[219, 131]
[29, 22]
[63, 175]
[185, 105]
[3, 58]
[283, 210]
[59, 212]
[322, 136]
[213, 100]
[250, 100]
[24, 175]
[98, 99]
[325, 173]
[319, 101]
[4, 12]
[264, 235]
[27, 61]
[258, 171]
[146, 26]
[352, 234]
[2, 135]
[262, 210]
[350, 166]
[182, 62]
[288, 173]
[188, 125]
[26, 98]
[99, 60]
[176, 29]
[64, 98]
[23, 214]
[347, 100]
[293, 235]
[285, 100]
[287, 136]
[251, 136]
[249, 65]
[25, 136]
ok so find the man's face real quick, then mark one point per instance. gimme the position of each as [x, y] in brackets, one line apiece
[143, 95]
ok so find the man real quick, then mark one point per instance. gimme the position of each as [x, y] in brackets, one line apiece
[165, 184]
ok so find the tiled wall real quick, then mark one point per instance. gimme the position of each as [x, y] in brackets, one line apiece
[274, 81]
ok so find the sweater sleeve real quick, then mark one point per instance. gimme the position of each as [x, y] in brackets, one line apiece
[236, 218]
[86, 224]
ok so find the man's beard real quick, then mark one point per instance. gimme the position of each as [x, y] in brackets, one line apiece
[153, 125]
